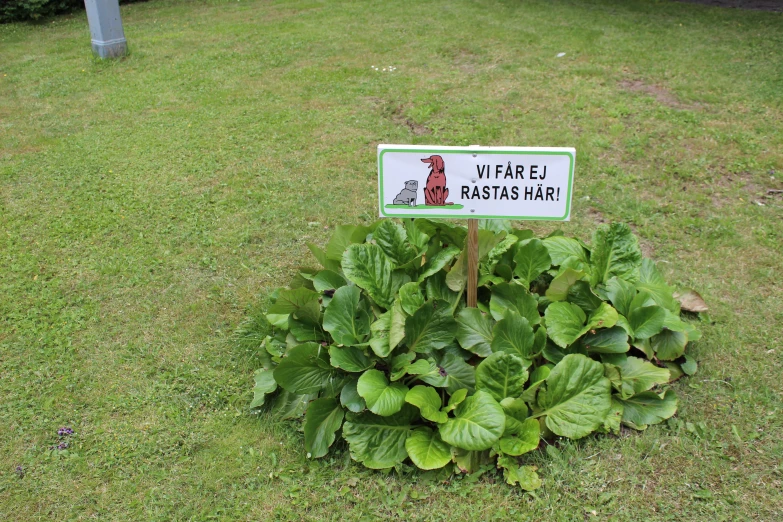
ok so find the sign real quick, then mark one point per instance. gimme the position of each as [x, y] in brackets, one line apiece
[475, 182]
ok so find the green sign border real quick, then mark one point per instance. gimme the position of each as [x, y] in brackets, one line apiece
[479, 151]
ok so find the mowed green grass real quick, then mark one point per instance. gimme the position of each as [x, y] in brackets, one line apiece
[147, 205]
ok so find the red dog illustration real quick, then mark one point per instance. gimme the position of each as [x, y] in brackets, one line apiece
[435, 192]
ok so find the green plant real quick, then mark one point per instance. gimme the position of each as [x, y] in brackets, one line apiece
[19, 10]
[379, 343]
[23, 10]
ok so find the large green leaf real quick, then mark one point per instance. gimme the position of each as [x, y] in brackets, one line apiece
[673, 322]
[320, 255]
[306, 369]
[278, 320]
[614, 419]
[615, 253]
[437, 263]
[289, 301]
[342, 236]
[350, 359]
[382, 398]
[502, 375]
[577, 397]
[289, 405]
[448, 234]
[437, 289]
[537, 378]
[323, 418]
[477, 425]
[583, 296]
[345, 318]
[428, 401]
[432, 327]
[388, 330]
[564, 322]
[379, 442]
[607, 340]
[416, 236]
[265, 384]
[411, 298]
[540, 339]
[305, 323]
[602, 317]
[328, 280]
[457, 277]
[427, 450]
[474, 331]
[513, 334]
[488, 240]
[638, 375]
[350, 398]
[532, 259]
[403, 365]
[368, 267]
[393, 241]
[689, 366]
[499, 251]
[522, 439]
[452, 373]
[396, 324]
[669, 345]
[621, 293]
[511, 296]
[560, 285]
[457, 398]
[379, 340]
[646, 321]
[652, 282]
[648, 408]
[561, 248]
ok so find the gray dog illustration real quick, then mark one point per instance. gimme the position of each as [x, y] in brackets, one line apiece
[407, 196]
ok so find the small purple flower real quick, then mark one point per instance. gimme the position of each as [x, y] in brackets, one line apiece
[64, 431]
[62, 446]
[20, 471]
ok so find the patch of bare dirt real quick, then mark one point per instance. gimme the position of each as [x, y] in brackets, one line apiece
[757, 5]
[744, 180]
[758, 190]
[596, 215]
[398, 117]
[663, 96]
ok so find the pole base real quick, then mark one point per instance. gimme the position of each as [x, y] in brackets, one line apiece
[111, 49]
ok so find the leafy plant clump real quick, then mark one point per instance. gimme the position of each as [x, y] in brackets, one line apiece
[378, 347]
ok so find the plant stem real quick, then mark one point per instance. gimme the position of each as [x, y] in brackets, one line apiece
[456, 302]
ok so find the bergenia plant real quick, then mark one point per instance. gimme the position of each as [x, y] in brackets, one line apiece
[378, 346]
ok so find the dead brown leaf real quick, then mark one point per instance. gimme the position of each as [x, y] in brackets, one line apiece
[691, 301]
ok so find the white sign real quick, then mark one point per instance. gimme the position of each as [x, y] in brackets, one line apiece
[475, 182]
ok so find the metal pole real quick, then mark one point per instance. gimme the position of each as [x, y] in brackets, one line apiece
[108, 37]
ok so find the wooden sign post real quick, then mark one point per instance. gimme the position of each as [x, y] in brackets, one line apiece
[474, 182]
[473, 261]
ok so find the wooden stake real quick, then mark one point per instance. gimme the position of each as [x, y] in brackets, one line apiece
[472, 261]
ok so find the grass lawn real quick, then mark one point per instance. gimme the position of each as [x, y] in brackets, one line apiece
[147, 205]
